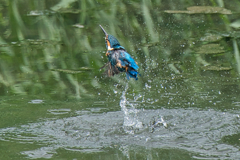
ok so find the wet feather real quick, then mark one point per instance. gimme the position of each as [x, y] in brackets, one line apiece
[118, 58]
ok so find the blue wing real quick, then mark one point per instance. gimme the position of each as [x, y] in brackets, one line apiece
[129, 62]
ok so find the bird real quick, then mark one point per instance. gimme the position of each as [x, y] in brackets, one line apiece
[118, 58]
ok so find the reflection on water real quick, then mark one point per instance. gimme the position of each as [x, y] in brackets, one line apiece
[59, 111]
[197, 131]
[197, 121]
[36, 101]
[55, 102]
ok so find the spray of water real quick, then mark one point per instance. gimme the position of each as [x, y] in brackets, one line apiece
[130, 113]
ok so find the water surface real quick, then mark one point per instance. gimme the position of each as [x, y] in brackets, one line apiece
[55, 102]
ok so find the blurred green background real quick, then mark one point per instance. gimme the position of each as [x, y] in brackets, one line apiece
[38, 37]
[51, 53]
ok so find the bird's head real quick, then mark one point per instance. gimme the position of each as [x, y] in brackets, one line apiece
[111, 42]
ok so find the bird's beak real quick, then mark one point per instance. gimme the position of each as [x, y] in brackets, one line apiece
[103, 30]
[106, 38]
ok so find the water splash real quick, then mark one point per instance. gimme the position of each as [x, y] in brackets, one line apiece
[130, 114]
[186, 130]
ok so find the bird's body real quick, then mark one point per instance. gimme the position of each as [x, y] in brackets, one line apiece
[118, 59]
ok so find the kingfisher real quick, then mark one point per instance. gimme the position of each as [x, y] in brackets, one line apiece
[118, 58]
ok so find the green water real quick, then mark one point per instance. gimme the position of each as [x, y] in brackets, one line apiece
[55, 102]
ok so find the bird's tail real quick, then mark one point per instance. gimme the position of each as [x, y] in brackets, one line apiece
[132, 74]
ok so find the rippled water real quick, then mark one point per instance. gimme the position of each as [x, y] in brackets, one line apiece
[55, 102]
[199, 133]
